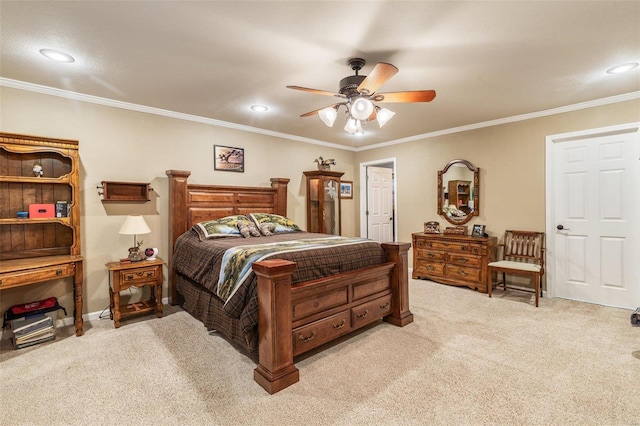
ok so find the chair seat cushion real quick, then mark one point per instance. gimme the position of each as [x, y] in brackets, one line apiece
[522, 266]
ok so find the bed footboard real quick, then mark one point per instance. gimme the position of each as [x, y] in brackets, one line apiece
[295, 320]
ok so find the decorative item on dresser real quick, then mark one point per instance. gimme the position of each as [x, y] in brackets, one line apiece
[453, 259]
[40, 248]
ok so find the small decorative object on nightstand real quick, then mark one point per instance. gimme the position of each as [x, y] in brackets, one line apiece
[136, 274]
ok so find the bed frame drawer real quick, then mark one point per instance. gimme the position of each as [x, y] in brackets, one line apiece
[319, 332]
[370, 311]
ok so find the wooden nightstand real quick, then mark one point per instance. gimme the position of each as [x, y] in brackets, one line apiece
[135, 274]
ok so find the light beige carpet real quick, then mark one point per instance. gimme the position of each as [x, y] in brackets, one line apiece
[466, 359]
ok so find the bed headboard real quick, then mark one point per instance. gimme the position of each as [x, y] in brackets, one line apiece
[190, 204]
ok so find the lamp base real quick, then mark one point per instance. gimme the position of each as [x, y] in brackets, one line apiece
[135, 255]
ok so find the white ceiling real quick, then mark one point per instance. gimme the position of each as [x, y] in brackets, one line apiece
[213, 59]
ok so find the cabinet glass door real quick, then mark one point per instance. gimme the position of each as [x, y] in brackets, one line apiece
[331, 206]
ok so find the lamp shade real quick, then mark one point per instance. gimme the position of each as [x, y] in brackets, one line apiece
[384, 115]
[328, 115]
[134, 225]
[361, 109]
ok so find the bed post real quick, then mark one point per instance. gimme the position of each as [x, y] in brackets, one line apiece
[398, 254]
[178, 222]
[280, 185]
[275, 370]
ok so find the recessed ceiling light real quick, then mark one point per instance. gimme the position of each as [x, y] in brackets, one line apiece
[56, 55]
[619, 69]
[259, 108]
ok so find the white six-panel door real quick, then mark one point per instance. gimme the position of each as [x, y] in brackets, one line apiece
[595, 199]
[380, 204]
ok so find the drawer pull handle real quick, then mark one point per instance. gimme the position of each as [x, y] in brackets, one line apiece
[431, 255]
[463, 273]
[364, 314]
[129, 277]
[149, 274]
[307, 339]
[385, 306]
[463, 248]
[463, 259]
[430, 267]
[339, 326]
[139, 274]
[58, 272]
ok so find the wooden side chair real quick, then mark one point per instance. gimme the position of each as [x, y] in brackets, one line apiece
[521, 253]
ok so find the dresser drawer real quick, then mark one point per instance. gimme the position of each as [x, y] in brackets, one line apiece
[463, 273]
[319, 332]
[35, 275]
[430, 255]
[139, 275]
[429, 269]
[464, 259]
[461, 247]
[370, 311]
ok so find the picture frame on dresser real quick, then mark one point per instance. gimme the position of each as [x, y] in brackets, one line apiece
[478, 230]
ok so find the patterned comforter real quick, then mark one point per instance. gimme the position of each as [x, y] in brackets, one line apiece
[200, 262]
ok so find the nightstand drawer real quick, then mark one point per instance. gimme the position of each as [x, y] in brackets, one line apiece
[35, 275]
[139, 275]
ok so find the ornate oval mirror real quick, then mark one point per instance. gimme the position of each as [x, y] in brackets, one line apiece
[458, 191]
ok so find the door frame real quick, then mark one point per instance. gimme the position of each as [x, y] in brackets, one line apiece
[550, 164]
[363, 194]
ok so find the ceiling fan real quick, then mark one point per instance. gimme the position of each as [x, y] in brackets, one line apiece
[359, 94]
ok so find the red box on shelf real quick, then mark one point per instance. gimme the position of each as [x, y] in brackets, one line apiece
[41, 210]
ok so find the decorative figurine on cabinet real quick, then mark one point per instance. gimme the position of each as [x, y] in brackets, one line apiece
[324, 164]
[37, 170]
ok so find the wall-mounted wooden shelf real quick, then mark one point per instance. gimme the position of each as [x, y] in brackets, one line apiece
[125, 191]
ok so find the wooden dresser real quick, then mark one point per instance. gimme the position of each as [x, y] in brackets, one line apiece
[453, 259]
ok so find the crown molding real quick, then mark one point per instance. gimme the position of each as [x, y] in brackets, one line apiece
[16, 84]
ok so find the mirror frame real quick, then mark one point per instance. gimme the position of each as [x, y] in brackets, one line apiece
[476, 191]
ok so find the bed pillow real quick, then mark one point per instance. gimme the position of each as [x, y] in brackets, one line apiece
[248, 229]
[282, 224]
[220, 228]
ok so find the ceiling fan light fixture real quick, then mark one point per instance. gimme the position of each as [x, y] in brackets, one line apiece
[328, 115]
[622, 68]
[56, 55]
[384, 115]
[361, 108]
[353, 126]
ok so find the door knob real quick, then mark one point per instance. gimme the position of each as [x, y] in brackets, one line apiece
[561, 228]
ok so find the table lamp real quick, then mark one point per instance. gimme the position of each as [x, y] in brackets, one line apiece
[134, 225]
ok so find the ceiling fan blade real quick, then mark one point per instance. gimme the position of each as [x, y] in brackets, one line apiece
[315, 111]
[316, 91]
[412, 96]
[379, 75]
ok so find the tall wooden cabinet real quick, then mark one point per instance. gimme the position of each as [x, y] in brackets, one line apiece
[453, 259]
[35, 250]
[323, 201]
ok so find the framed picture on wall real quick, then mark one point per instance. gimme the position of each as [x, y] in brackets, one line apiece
[346, 189]
[478, 231]
[228, 159]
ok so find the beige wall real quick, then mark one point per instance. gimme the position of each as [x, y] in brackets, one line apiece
[123, 145]
[511, 158]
